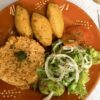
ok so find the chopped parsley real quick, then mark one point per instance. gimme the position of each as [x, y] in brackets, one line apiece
[21, 55]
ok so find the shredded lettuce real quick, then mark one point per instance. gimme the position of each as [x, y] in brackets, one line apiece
[41, 73]
[80, 88]
[95, 56]
[48, 86]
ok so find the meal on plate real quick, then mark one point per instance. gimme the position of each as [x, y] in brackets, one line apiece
[26, 61]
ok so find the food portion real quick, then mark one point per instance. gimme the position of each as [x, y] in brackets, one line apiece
[47, 86]
[67, 66]
[79, 34]
[79, 88]
[22, 21]
[52, 67]
[56, 19]
[95, 55]
[19, 59]
[41, 29]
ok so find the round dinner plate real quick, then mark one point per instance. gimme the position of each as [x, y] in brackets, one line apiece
[72, 15]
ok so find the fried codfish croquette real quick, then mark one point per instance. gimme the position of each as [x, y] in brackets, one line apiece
[22, 21]
[56, 19]
[41, 29]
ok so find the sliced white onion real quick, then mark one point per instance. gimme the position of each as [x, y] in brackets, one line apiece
[53, 60]
[74, 63]
[56, 45]
[62, 75]
[49, 96]
[47, 70]
[62, 72]
[68, 49]
[86, 63]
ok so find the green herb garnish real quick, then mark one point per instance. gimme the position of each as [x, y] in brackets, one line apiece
[21, 55]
